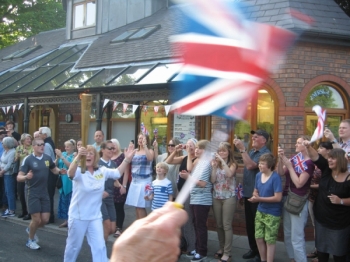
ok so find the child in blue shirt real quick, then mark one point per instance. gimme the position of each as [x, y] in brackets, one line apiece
[162, 190]
[268, 192]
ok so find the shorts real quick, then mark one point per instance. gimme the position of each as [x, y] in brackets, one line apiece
[38, 203]
[266, 227]
[108, 210]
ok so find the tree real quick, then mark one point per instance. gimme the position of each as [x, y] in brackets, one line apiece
[321, 95]
[21, 19]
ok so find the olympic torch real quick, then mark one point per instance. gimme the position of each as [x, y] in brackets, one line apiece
[86, 100]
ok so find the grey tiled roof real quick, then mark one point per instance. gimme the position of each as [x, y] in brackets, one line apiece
[328, 16]
[330, 20]
[154, 47]
[49, 41]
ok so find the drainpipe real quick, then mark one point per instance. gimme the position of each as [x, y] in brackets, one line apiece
[99, 112]
[26, 116]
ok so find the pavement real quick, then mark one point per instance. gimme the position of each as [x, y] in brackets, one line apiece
[239, 246]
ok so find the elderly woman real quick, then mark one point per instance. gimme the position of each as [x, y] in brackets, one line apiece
[85, 208]
[6, 166]
[22, 151]
[173, 172]
[332, 205]
[141, 171]
[63, 160]
[107, 208]
[298, 171]
[120, 187]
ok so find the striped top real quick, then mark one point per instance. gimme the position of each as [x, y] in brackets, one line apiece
[161, 191]
[202, 195]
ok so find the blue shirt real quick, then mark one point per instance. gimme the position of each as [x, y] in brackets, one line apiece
[249, 175]
[268, 189]
[161, 191]
[1, 149]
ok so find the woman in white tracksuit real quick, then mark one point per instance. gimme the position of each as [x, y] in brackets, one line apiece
[85, 216]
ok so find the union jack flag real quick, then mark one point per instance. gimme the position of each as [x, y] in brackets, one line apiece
[298, 162]
[239, 191]
[226, 58]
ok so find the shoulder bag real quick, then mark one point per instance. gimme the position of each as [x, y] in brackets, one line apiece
[294, 203]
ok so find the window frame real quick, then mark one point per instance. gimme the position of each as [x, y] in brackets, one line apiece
[84, 3]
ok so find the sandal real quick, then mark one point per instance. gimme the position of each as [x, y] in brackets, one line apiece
[312, 255]
[218, 254]
[118, 232]
[227, 260]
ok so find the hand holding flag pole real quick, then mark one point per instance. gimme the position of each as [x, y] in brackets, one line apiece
[321, 114]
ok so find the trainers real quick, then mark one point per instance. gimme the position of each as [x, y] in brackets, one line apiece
[198, 258]
[32, 244]
[5, 213]
[35, 236]
[191, 254]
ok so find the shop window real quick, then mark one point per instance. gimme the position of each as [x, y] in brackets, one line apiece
[154, 121]
[260, 114]
[325, 96]
[84, 14]
[330, 98]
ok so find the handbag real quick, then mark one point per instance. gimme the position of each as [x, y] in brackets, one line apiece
[294, 203]
[15, 167]
[59, 183]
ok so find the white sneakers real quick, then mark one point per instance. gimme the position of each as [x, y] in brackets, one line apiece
[35, 236]
[32, 244]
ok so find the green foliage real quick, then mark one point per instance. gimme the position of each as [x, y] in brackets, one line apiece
[322, 96]
[21, 19]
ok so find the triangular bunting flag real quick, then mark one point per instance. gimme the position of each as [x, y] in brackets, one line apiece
[105, 102]
[125, 106]
[134, 107]
[4, 109]
[156, 108]
[115, 104]
[8, 109]
[14, 108]
[145, 109]
[167, 108]
[19, 106]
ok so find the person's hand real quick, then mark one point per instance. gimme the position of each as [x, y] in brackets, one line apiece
[286, 162]
[130, 152]
[328, 134]
[58, 153]
[253, 199]
[155, 144]
[63, 171]
[105, 194]
[82, 152]
[122, 190]
[306, 143]
[184, 174]
[280, 152]
[29, 175]
[239, 144]
[256, 194]
[334, 199]
[214, 163]
[152, 239]
[146, 198]
[144, 142]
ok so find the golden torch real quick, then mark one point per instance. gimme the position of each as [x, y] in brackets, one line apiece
[86, 100]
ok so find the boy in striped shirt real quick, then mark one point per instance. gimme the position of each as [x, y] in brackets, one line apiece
[162, 190]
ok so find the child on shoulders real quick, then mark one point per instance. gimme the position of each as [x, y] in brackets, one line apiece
[268, 192]
[162, 190]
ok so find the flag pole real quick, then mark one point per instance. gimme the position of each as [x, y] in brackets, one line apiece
[86, 100]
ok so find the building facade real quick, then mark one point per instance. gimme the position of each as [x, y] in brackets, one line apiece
[118, 51]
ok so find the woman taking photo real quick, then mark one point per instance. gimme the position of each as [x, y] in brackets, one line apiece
[120, 187]
[187, 231]
[173, 172]
[63, 160]
[22, 151]
[332, 205]
[6, 170]
[298, 171]
[224, 198]
[85, 209]
[141, 171]
[107, 208]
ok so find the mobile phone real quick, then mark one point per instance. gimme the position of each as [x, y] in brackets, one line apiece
[132, 141]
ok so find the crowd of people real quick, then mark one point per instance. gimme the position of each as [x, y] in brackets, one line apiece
[95, 182]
